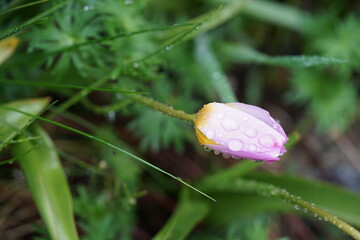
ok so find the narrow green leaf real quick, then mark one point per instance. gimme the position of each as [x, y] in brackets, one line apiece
[22, 6]
[245, 54]
[187, 215]
[209, 20]
[68, 86]
[12, 123]
[213, 70]
[48, 184]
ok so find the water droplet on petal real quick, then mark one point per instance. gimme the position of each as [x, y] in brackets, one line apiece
[267, 141]
[219, 115]
[252, 147]
[216, 152]
[225, 155]
[207, 149]
[210, 134]
[230, 124]
[250, 132]
[235, 145]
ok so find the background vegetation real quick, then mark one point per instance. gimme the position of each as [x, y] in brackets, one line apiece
[86, 168]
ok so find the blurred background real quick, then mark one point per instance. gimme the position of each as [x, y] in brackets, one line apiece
[298, 59]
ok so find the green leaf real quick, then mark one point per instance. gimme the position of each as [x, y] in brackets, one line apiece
[342, 203]
[188, 213]
[12, 123]
[245, 54]
[47, 182]
[213, 70]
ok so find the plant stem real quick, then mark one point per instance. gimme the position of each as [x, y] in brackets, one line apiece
[300, 204]
[158, 106]
[267, 190]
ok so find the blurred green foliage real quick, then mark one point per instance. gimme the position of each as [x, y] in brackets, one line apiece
[185, 54]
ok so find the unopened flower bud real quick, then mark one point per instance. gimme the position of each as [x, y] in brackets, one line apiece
[241, 131]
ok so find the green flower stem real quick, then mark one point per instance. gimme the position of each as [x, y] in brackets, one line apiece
[267, 190]
[158, 106]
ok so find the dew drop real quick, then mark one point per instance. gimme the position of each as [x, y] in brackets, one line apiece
[252, 147]
[128, 2]
[225, 155]
[219, 115]
[216, 152]
[88, 7]
[111, 115]
[235, 145]
[250, 132]
[210, 134]
[267, 141]
[296, 207]
[135, 65]
[169, 47]
[230, 124]
[207, 149]
[216, 75]
[274, 192]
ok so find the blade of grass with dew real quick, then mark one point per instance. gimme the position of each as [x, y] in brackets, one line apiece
[22, 6]
[68, 86]
[35, 20]
[207, 21]
[110, 146]
[13, 123]
[48, 184]
[278, 13]
[245, 54]
[213, 70]
[186, 216]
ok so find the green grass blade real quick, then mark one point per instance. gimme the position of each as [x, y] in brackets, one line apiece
[12, 123]
[68, 86]
[111, 146]
[187, 215]
[48, 184]
[22, 6]
[208, 21]
[245, 54]
[213, 70]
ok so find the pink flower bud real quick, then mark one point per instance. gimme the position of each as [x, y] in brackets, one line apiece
[241, 131]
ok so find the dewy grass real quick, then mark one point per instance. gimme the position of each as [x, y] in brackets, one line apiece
[111, 146]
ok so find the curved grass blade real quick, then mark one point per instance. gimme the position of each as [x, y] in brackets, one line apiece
[245, 54]
[68, 86]
[48, 184]
[22, 6]
[111, 146]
